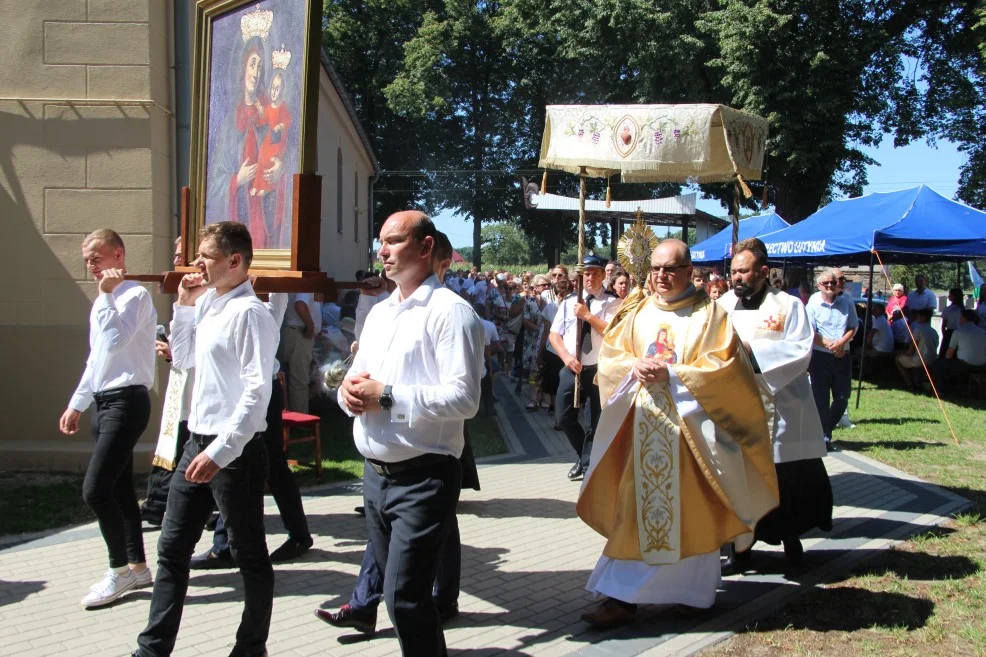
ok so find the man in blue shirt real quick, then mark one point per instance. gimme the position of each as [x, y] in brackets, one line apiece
[833, 317]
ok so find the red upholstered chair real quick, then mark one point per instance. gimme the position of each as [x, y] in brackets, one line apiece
[301, 421]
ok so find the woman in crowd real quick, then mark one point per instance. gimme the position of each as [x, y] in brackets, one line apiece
[716, 288]
[619, 283]
[561, 288]
[534, 347]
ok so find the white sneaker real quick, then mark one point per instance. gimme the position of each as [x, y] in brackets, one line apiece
[144, 579]
[111, 587]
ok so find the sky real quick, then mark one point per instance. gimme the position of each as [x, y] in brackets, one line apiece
[937, 167]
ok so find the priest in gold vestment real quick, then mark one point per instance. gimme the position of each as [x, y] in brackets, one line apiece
[683, 461]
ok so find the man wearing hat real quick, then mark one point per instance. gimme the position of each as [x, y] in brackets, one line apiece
[595, 309]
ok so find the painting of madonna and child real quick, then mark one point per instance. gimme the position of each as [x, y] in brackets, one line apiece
[254, 119]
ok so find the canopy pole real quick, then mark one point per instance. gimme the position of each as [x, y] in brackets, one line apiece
[579, 270]
[735, 211]
[866, 322]
[958, 276]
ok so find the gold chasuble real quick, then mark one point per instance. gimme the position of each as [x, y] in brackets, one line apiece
[679, 468]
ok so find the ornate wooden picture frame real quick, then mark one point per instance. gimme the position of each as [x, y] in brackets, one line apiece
[253, 122]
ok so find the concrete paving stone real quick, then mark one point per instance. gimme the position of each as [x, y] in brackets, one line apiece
[526, 558]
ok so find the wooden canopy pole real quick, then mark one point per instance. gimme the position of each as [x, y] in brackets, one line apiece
[579, 270]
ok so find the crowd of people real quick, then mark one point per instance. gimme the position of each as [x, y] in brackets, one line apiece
[698, 409]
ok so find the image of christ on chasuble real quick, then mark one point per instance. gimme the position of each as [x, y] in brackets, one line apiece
[256, 79]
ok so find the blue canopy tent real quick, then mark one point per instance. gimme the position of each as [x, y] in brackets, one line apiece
[720, 245]
[910, 225]
[907, 226]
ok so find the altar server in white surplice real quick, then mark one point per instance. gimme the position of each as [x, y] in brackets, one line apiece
[775, 330]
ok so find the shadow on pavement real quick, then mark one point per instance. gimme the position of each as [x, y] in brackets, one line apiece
[13, 592]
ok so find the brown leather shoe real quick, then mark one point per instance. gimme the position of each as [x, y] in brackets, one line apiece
[610, 613]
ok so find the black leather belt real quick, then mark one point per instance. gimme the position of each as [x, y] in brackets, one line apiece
[391, 469]
[118, 393]
[204, 440]
[201, 439]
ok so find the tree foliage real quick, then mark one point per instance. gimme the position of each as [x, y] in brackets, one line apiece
[460, 86]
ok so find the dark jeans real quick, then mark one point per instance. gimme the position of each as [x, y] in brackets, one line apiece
[159, 480]
[119, 418]
[409, 516]
[830, 375]
[369, 583]
[280, 480]
[568, 415]
[238, 491]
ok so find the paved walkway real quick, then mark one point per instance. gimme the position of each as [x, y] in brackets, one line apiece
[526, 558]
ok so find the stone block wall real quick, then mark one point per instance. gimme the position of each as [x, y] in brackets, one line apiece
[85, 142]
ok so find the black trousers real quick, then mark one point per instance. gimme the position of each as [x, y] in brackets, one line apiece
[238, 491]
[568, 416]
[119, 418]
[409, 517]
[830, 376]
[280, 480]
[159, 480]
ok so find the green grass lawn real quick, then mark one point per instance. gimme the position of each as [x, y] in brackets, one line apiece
[928, 596]
[31, 502]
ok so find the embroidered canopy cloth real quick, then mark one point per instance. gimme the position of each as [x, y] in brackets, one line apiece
[654, 143]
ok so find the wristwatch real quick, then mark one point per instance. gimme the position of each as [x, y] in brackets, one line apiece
[387, 399]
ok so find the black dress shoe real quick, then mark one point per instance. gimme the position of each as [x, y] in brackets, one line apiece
[361, 620]
[291, 549]
[212, 560]
[360, 510]
[576, 472]
[210, 524]
[737, 562]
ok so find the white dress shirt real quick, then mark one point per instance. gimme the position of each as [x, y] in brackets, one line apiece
[923, 299]
[429, 347]
[565, 323]
[121, 343]
[363, 307]
[230, 340]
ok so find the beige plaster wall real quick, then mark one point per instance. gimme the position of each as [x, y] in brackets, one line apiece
[342, 253]
[85, 142]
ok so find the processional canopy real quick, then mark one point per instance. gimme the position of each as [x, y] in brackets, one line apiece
[654, 143]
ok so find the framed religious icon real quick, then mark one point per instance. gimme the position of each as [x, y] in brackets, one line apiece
[253, 120]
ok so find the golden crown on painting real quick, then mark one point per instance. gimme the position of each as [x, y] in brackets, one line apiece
[256, 23]
[280, 58]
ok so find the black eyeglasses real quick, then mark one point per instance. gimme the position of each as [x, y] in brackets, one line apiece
[668, 269]
[827, 283]
[841, 279]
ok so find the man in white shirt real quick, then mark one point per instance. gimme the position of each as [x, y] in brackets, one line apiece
[909, 364]
[118, 373]
[920, 297]
[302, 322]
[880, 337]
[595, 312]
[222, 329]
[413, 383]
[966, 352]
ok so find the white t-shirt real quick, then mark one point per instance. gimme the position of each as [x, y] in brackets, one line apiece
[291, 317]
[927, 340]
[969, 342]
[492, 335]
[883, 341]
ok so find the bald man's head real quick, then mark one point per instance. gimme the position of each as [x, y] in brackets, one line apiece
[671, 268]
[407, 244]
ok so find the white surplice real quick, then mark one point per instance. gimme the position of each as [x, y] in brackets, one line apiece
[781, 337]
